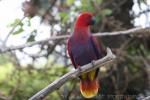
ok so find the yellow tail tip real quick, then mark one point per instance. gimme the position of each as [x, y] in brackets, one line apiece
[89, 89]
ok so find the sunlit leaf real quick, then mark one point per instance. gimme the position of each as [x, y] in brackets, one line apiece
[18, 31]
[106, 12]
[143, 1]
[99, 1]
[64, 16]
[16, 21]
[70, 2]
[87, 6]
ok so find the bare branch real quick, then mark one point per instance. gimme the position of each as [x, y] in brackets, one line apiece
[146, 98]
[73, 74]
[12, 30]
[142, 12]
[138, 30]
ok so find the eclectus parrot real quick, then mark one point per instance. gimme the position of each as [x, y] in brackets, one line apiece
[83, 49]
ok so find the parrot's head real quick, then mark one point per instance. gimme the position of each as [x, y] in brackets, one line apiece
[85, 19]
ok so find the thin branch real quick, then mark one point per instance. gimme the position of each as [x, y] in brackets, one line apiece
[138, 30]
[146, 98]
[73, 74]
[142, 12]
[12, 30]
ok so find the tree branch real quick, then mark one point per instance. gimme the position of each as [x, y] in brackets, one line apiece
[138, 30]
[146, 98]
[73, 74]
[142, 12]
[12, 30]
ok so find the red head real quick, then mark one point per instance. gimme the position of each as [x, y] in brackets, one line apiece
[84, 20]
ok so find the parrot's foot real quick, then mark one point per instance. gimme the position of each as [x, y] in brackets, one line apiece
[93, 63]
[80, 69]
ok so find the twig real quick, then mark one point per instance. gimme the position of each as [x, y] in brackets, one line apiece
[142, 12]
[11, 31]
[138, 30]
[72, 74]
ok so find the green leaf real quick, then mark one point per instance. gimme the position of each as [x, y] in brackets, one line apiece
[64, 16]
[106, 12]
[70, 2]
[144, 1]
[99, 1]
[29, 22]
[87, 6]
[90, 8]
[16, 21]
[31, 38]
[18, 31]
[84, 2]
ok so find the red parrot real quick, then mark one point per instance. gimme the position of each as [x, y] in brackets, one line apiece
[83, 48]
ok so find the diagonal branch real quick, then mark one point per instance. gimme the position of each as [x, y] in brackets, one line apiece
[72, 74]
[12, 30]
[138, 30]
[146, 98]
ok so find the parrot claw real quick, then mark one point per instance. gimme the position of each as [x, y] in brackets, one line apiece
[93, 63]
[80, 69]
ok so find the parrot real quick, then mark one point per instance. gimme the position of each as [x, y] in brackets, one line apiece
[83, 48]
